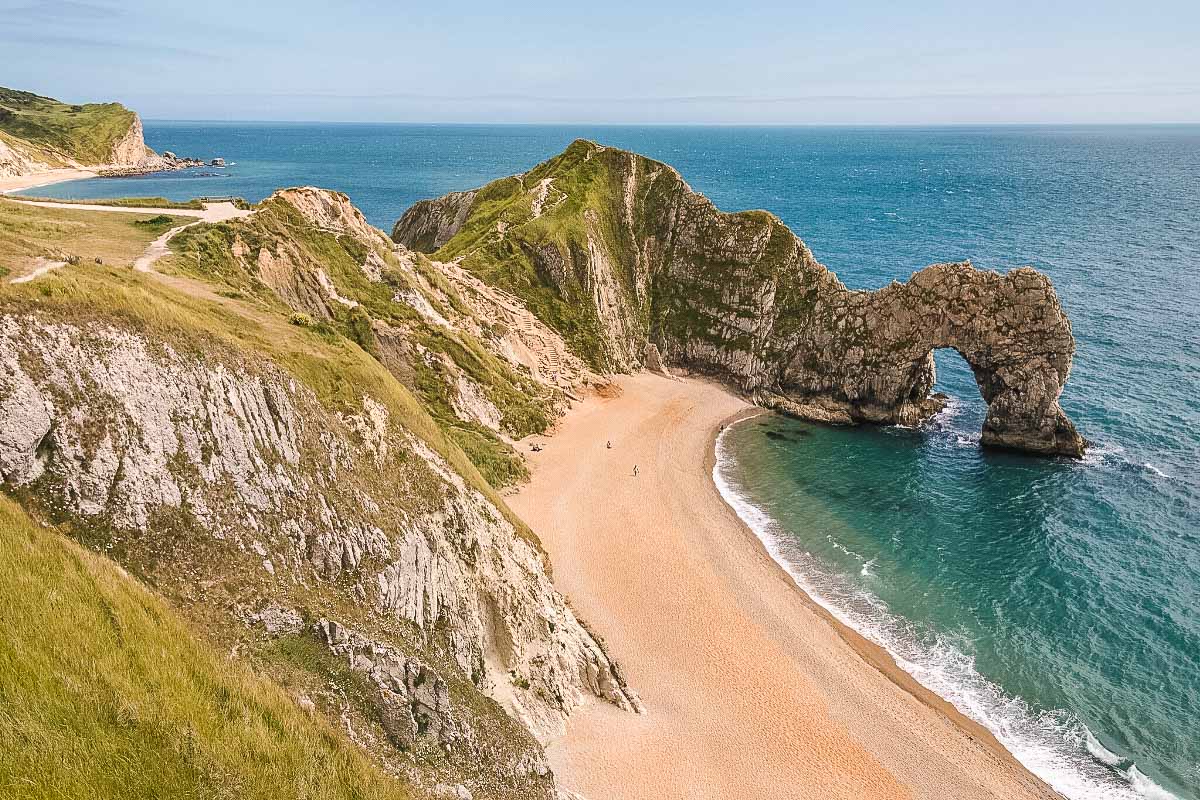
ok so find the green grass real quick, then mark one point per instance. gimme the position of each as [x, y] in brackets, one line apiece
[206, 252]
[27, 232]
[105, 693]
[519, 262]
[85, 133]
[121, 202]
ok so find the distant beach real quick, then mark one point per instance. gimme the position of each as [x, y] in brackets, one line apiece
[38, 179]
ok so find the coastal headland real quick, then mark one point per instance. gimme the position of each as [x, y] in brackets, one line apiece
[312, 438]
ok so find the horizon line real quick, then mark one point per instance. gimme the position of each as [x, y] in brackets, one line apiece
[461, 123]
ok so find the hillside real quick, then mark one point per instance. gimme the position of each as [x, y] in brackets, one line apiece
[311, 256]
[39, 133]
[617, 253]
[235, 435]
[292, 430]
[105, 692]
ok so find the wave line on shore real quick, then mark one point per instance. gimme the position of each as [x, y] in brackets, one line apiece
[1055, 746]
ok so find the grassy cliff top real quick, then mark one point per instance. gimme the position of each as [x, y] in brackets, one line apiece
[85, 133]
[106, 693]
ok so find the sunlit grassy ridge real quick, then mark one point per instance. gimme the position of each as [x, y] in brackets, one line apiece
[85, 133]
[104, 693]
[207, 252]
[584, 188]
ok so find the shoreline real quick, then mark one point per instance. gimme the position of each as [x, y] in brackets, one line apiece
[37, 180]
[874, 654]
[752, 688]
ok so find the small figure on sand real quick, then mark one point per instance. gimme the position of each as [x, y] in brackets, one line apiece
[535, 447]
[635, 470]
[608, 444]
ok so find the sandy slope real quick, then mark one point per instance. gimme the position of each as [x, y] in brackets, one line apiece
[751, 690]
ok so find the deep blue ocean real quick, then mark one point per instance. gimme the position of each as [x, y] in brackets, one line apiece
[1056, 602]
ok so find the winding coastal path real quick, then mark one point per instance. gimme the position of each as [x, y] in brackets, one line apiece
[751, 690]
[212, 212]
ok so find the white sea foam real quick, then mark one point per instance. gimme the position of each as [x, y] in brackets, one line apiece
[953, 408]
[1099, 452]
[1156, 471]
[1099, 751]
[1146, 787]
[1055, 746]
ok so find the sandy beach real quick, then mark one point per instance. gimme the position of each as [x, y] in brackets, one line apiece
[751, 690]
[42, 179]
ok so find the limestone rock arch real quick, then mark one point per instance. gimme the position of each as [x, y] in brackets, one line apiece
[869, 355]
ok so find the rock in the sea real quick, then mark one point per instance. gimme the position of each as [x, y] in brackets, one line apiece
[638, 257]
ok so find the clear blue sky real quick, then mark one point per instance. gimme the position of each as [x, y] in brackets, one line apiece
[614, 60]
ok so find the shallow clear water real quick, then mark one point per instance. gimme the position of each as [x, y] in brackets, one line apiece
[1057, 602]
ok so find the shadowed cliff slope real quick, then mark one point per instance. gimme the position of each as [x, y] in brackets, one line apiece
[616, 252]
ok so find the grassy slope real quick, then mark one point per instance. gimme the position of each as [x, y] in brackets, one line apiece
[326, 358]
[195, 317]
[205, 252]
[85, 133]
[105, 693]
[122, 202]
[591, 184]
[28, 232]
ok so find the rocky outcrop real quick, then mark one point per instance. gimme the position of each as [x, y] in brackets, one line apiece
[431, 223]
[131, 148]
[639, 258]
[39, 134]
[228, 483]
[867, 356]
[16, 160]
[131, 156]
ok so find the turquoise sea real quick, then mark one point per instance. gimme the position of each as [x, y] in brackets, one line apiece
[1056, 602]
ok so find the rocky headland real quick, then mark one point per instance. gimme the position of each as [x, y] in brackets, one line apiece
[41, 135]
[633, 258]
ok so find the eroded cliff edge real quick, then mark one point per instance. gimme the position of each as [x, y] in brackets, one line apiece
[38, 134]
[616, 252]
[265, 428]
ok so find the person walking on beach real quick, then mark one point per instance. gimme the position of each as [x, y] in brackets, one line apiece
[635, 470]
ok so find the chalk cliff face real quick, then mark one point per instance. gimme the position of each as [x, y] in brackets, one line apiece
[617, 252]
[289, 524]
[130, 149]
[436, 221]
